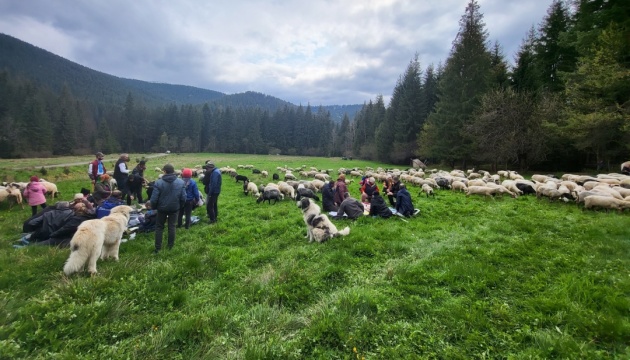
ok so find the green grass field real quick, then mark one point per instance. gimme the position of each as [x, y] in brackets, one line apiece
[469, 278]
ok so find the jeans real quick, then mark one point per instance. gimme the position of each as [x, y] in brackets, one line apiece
[162, 217]
[185, 211]
[211, 207]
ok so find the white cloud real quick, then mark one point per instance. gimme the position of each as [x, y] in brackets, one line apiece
[318, 52]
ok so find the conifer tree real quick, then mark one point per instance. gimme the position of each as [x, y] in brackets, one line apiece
[466, 77]
[525, 74]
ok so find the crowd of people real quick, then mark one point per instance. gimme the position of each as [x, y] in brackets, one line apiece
[171, 200]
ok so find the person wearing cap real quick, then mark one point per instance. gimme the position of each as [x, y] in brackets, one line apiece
[97, 168]
[35, 192]
[192, 197]
[79, 198]
[169, 195]
[212, 186]
[102, 189]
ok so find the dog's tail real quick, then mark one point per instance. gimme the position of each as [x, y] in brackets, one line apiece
[75, 262]
[343, 232]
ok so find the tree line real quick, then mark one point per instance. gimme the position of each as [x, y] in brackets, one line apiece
[563, 105]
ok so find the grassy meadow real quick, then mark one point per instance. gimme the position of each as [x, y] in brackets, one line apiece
[469, 278]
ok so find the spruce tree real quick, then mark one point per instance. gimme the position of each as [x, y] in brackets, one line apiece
[466, 77]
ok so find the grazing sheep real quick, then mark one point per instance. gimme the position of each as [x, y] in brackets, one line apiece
[256, 171]
[303, 192]
[605, 202]
[276, 177]
[50, 188]
[476, 182]
[552, 194]
[458, 186]
[582, 195]
[264, 173]
[241, 178]
[12, 195]
[248, 187]
[289, 176]
[286, 189]
[268, 195]
[427, 189]
[480, 190]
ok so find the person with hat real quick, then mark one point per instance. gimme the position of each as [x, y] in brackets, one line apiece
[35, 192]
[212, 186]
[192, 198]
[80, 198]
[169, 195]
[102, 189]
[97, 168]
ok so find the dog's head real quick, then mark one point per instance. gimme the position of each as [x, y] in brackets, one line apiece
[122, 209]
[304, 204]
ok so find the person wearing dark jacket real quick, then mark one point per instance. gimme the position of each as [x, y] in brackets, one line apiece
[328, 201]
[404, 206]
[378, 207]
[49, 222]
[121, 173]
[392, 191]
[62, 236]
[340, 189]
[134, 189]
[169, 195]
[212, 187]
[351, 207]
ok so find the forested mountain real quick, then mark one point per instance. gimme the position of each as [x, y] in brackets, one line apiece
[44, 68]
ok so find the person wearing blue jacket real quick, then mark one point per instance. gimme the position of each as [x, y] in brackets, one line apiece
[404, 206]
[169, 195]
[212, 181]
[192, 197]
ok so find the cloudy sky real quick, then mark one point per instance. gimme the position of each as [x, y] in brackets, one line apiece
[322, 52]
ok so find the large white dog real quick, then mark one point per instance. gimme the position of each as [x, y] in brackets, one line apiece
[97, 238]
[318, 226]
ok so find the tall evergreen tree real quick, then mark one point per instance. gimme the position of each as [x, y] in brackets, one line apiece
[553, 54]
[525, 74]
[466, 77]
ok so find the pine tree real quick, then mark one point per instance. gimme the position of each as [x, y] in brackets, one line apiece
[525, 74]
[466, 77]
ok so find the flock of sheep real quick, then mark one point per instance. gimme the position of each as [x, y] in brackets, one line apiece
[604, 191]
[13, 192]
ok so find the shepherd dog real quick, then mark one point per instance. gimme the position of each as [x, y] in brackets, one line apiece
[319, 228]
[97, 238]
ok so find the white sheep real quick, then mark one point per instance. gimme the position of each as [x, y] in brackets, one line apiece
[286, 189]
[427, 189]
[458, 186]
[12, 195]
[480, 190]
[264, 173]
[605, 202]
[252, 188]
[50, 187]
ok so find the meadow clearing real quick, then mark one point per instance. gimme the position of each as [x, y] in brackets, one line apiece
[469, 278]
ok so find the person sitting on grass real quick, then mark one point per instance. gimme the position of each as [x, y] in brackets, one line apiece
[404, 206]
[378, 207]
[111, 202]
[351, 207]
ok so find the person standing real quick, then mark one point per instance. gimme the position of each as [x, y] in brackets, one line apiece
[169, 195]
[121, 174]
[35, 192]
[192, 197]
[138, 173]
[97, 168]
[212, 181]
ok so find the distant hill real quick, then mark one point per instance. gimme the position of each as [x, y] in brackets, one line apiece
[43, 67]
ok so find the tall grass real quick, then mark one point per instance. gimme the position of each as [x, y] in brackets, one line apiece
[469, 278]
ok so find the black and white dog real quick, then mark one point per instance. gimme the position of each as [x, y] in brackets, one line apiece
[318, 227]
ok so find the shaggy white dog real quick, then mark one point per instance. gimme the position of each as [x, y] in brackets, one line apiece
[97, 238]
[318, 226]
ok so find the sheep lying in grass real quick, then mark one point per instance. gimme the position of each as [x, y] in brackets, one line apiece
[605, 202]
[427, 189]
